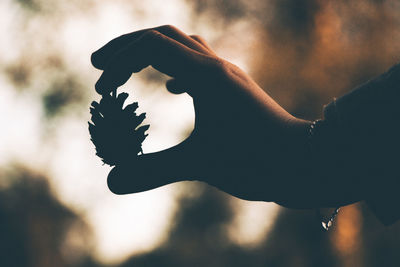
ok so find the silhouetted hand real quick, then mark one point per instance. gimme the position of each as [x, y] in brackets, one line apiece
[243, 142]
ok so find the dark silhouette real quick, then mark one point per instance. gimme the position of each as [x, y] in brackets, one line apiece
[245, 144]
[115, 130]
[35, 227]
[199, 239]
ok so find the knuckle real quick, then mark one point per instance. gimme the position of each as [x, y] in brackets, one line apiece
[151, 34]
[151, 38]
[220, 66]
[215, 67]
[198, 38]
[223, 70]
[168, 28]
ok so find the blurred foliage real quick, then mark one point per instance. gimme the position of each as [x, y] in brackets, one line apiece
[150, 75]
[36, 229]
[323, 49]
[199, 238]
[63, 93]
[225, 10]
[309, 51]
[306, 52]
[31, 5]
[19, 74]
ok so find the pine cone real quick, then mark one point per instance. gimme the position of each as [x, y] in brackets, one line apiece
[114, 130]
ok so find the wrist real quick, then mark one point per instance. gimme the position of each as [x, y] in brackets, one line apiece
[296, 175]
[299, 140]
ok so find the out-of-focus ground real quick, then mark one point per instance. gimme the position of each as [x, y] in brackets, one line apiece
[55, 208]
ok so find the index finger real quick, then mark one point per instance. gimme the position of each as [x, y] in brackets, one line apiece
[163, 53]
[101, 57]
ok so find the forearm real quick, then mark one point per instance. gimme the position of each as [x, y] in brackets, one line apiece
[368, 120]
[355, 151]
[316, 175]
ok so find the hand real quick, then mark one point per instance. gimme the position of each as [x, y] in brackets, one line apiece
[243, 142]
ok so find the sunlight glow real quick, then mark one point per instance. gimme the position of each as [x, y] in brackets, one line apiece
[20, 133]
[123, 225]
[252, 221]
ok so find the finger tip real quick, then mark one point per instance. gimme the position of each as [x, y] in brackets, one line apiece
[95, 60]
[174, 87]
[112, 182]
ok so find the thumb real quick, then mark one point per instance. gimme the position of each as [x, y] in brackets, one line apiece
[152, 170]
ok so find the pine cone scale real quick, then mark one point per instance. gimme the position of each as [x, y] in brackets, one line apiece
[115, 131]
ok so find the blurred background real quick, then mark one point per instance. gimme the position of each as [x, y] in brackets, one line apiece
[55, 208]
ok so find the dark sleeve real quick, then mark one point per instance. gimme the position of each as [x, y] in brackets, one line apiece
[366, 129]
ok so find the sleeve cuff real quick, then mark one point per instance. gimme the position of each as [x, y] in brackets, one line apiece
[368, 119]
